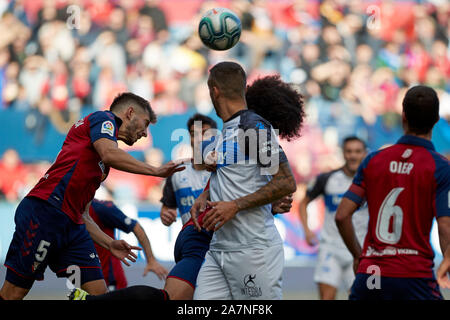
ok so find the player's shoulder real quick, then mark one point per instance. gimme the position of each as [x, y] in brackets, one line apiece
[101, 116]
[324, 176]
[440, 159]
[442, 165]
[376, 156]
[250, 119]
[183, 175]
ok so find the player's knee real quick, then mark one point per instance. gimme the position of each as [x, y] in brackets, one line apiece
[95, 287]
[12, 292]
[179, 294]
[327, 292]
[178, 289]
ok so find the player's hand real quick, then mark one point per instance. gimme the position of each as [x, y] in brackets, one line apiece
[221, 212]
[211, 161]
[171, 167]
[168, 215]
[282, 205]
[442, 274]
[155, 267]
[122, 251]
[198, 207]
[311, 238]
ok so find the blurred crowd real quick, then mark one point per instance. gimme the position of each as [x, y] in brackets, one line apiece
[352, 60]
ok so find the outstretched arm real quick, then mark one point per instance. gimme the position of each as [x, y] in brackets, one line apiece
[116, 158]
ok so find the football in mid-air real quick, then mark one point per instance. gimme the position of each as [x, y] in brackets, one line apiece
[219, 29]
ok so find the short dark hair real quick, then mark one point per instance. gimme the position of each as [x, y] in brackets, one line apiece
[204, 119]
[124, 99]
[230, 78]
[421, 108]
[353, 138]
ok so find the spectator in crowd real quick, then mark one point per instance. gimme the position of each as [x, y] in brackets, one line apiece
[351, 61]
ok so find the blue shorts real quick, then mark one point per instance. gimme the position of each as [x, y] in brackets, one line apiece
[190, 250]
[45, 236]
[395, 289]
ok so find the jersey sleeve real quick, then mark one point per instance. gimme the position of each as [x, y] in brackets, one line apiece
[168, 199]
[101, 125]
[357, 190]
[442, 177]
[113, 217]
[268, 152]
[317, 186]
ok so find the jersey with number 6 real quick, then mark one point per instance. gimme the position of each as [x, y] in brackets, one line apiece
[406, 186]
[70, 183]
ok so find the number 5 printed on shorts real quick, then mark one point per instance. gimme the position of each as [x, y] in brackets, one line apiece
[42, 250]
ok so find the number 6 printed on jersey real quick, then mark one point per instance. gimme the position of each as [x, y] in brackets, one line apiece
[387, 210]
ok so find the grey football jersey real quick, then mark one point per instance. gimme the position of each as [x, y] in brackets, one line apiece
[332, 185]
[248, 156]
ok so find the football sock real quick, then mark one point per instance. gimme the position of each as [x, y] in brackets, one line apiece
[133, 293]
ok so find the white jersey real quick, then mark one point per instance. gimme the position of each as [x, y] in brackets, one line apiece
[182, 188]
[240, 173]
[332, 186]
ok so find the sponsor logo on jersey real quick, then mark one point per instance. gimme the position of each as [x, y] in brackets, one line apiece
[127, 221]
[187, 201]
[108, 128]
[93, 255]
[250, 288]
[79, 123]
[407, 154]
[390, 251]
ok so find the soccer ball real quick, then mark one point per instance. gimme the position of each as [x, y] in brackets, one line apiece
[219, 29]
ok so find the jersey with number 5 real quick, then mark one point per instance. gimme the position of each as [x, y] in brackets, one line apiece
[406, 186]
[70, 183]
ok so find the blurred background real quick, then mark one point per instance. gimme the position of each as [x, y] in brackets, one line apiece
[352, 61]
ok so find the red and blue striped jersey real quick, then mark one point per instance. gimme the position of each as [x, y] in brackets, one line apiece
[406, 186]
[70, 183]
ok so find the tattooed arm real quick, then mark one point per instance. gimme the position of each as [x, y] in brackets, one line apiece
[282, 184]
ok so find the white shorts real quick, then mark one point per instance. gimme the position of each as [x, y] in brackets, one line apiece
[241, 275]
[334, 266]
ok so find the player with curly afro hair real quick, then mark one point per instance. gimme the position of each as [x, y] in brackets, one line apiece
[279, 103]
